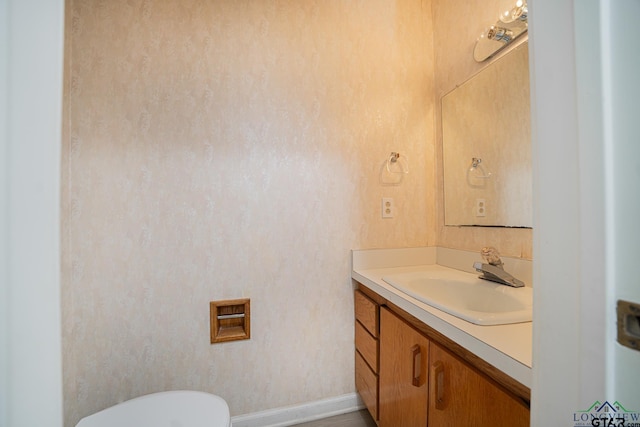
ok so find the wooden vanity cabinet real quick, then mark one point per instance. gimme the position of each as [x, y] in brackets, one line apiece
[409, 375]
[404, 354]
[460, 396]
[367, 327]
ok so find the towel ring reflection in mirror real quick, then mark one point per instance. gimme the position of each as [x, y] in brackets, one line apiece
[476, 170]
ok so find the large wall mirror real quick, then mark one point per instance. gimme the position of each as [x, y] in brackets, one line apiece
[486, 137]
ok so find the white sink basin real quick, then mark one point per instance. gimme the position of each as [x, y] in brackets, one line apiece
[466, 296]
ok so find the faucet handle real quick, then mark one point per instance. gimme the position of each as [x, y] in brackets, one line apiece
[491, 256]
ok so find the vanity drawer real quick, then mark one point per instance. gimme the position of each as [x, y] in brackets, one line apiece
[367, 313]
[367, 385]
[367, 346]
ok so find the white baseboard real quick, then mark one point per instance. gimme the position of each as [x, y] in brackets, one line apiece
[296, 414]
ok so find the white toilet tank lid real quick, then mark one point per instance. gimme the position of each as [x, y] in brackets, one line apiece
[171, 409]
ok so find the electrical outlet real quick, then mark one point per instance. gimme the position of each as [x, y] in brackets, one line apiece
[481, 207]
[388, 208]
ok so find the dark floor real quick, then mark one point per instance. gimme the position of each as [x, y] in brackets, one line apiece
[352, 419]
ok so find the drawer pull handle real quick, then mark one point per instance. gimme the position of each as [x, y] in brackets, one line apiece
[416, 354]
[438, 375]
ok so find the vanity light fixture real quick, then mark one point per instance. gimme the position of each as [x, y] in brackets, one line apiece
[511, 24]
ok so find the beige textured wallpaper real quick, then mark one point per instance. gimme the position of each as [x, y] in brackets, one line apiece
[457, 25]
[218, 149]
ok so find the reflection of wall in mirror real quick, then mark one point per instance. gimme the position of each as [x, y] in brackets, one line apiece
[487, 118]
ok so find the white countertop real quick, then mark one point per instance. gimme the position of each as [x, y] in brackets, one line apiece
[506, 347]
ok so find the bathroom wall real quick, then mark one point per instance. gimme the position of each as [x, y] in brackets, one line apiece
[224, 149]
[457, 25]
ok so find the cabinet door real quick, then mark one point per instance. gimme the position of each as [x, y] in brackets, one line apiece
[460, 396]
[403, 374]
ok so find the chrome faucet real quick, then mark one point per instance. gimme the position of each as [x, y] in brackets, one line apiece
[493, 268]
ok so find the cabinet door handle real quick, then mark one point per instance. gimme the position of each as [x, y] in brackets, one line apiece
[416, 355]
[437, 371]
